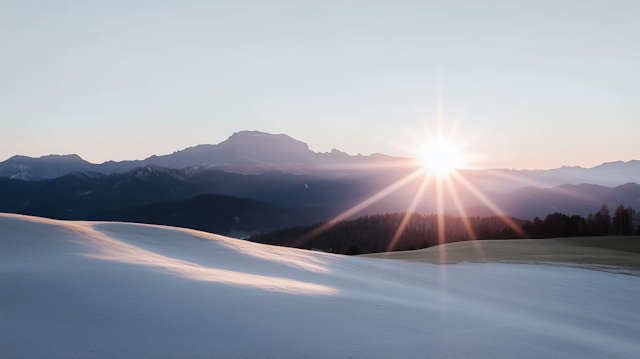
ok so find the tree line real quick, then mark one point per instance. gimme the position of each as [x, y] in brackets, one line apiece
[623, 222]
[374, 233]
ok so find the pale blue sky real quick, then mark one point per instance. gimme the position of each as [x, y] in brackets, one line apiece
[530, 84]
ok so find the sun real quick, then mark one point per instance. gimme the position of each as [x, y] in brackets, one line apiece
[440, 157]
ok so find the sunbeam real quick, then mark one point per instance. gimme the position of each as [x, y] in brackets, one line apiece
[409, 213]
[440, 214]
[439, 155]
[362, 205]
[463, 216]
[540, 184]
[489, 204]
[460, 208]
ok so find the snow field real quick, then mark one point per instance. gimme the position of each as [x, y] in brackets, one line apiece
[92, 289]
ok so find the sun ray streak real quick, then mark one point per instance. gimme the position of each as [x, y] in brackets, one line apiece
[460, 208]
[541, 184]
[520, 179]
[489, 204]
[538, 183]
[409, 214]
[359, 207]
[463, 216]
[440, 213]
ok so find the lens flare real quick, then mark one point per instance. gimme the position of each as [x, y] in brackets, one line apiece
[438, 156]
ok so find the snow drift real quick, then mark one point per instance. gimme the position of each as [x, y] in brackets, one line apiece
[92, 289]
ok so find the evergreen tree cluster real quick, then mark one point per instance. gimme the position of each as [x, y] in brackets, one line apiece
[374, 233]
[624, 222]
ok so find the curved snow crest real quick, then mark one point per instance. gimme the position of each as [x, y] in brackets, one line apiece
[108, 241]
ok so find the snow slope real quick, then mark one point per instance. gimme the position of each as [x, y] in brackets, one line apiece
[91, 289]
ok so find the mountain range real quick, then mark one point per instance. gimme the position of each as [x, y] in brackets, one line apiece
[226, 188]
[246, 152]
[254, 152]
[296, 199]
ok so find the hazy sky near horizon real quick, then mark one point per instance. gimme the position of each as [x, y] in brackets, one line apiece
[527, 84]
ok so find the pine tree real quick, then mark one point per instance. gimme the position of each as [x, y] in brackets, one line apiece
[602, 221]
[620, 222]
[590, 224]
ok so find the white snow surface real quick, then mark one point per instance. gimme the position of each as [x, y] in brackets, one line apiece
[92, 289]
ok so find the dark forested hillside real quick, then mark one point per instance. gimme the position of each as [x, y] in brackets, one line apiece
[373, 234]
[237, 217]
[623, 222]
[79, 195]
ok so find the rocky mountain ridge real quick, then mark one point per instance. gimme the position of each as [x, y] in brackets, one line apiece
[246, 152]
[255, 153]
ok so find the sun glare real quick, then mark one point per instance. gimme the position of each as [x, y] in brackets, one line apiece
[440, 157]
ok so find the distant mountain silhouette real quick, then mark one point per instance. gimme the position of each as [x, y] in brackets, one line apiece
[80, 195]
[254, 152]
[45, 167]
[246, 152]
[505, 180]
[569, 199]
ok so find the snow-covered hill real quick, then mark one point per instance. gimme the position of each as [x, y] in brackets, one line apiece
[92, 289]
